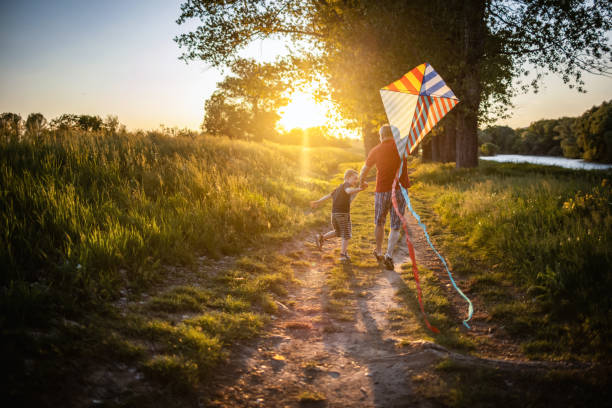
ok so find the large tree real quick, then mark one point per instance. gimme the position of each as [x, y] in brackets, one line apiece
[478, 46]
[245, 102]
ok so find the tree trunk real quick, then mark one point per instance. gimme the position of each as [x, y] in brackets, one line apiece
[448, 144]
[435, 148]
[370, 137]
[474, 31]
[426, 154]
[444, 147]
[467, 140]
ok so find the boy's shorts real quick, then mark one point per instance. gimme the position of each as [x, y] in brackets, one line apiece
[383, 204]
[342, 225]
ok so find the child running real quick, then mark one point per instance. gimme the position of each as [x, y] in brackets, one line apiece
[341, 212]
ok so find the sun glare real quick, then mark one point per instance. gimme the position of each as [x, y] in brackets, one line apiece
[302, 112]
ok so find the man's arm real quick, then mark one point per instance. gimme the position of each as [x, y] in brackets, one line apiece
[369, 163]
[362, 175]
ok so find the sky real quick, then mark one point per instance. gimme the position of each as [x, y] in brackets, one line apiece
[119, 58]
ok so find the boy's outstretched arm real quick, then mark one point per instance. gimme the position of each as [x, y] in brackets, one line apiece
[355, 190]
[315, 204]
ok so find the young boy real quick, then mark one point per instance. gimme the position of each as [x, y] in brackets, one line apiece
[341, 211]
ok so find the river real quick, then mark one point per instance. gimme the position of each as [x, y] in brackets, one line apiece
[548, 161]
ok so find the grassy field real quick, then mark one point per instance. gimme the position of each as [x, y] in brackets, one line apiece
[536, 244]
[114, 249]
[91, 222]
[90, 214]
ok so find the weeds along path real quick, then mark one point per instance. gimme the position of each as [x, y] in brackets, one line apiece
[351, 336]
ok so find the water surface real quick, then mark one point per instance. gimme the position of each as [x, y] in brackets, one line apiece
[548, 161]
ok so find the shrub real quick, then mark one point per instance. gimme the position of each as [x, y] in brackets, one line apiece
[488, 149]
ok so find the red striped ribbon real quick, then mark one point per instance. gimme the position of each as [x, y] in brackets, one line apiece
[415, 270]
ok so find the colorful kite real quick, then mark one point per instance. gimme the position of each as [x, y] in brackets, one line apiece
[414, 104]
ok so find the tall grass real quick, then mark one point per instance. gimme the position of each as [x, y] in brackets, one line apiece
[546, 231]
[90, 213]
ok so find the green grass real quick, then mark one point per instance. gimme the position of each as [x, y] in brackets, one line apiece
[469, 385]
[77, 209]
[536, 244]
[180, 299]
[89, 219]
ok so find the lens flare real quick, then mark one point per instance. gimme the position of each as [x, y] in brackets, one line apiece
[302, 112]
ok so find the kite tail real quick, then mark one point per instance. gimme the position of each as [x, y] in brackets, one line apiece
[415, 270]
[450, 275]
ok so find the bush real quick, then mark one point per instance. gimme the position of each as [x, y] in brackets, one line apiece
[489, 149]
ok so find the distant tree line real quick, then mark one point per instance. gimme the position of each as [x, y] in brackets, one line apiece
[588, 137]
[318, 136]
[13, 127]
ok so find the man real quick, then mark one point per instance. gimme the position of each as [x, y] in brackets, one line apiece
[387, 161]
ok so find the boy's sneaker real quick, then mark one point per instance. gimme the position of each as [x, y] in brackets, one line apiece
[345, 258]
[319, 241]
[388, 262]
[379, 258]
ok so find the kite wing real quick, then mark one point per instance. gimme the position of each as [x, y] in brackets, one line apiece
[414, 104]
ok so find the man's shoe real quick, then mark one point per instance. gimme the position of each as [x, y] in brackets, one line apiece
[388, 262]
[345, 258]
[379, 258]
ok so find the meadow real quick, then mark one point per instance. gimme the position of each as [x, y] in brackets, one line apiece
[114, 251]
[535, 243]
[89, 214]
[91, 221]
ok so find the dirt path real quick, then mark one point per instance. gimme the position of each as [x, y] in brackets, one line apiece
[345, 363]
[311, 356]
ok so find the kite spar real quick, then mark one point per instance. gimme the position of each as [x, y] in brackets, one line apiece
[414, 104]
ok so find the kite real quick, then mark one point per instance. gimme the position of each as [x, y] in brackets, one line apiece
[414, 104]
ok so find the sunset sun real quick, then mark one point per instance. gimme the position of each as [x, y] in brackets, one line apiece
[302, 112]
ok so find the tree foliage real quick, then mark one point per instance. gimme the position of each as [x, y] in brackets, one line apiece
[594, 133]
[479, 47]
[566, 37]
[588, 136]
[84, 122]
[35, 124]
[245, 102]
[11, 125]
[503, 137]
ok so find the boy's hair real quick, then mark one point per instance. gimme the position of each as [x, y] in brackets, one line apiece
[350, 172]
[385, 132]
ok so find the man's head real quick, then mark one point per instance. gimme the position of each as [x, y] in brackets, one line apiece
[385, 132]
[351, 176]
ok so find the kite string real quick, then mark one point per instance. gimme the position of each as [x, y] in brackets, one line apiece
[424, 228]
[415, 270]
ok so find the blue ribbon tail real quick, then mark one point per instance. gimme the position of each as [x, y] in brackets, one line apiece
[450, 275]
